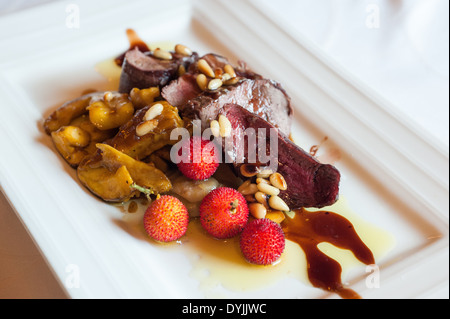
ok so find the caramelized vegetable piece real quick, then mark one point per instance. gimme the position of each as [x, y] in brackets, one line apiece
[77, 140]
[97, 136]
[109, 185]
[111, 111]
[70, 142]
[139, 147]
[144, 97]
[69, 111]
[111, 175]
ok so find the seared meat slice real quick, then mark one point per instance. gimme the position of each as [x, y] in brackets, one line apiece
[183, 89]
[309, 182]
[143, 70]
[262, 97]
[180, 91]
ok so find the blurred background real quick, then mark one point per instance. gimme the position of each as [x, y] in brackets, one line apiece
[399, 48]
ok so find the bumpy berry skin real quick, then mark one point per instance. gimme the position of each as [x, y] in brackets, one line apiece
[223, 212]
[203, 161]
[166, 219]
[262, 241]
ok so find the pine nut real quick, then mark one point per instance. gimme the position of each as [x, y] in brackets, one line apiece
[248, 170]
[250, 198]
[260, 180]
[205, 68]
[257, 210]
[108, 96]
[183, 50]
[277, 180]
[215, 128]
[265, 173]
[215, 84]
[232, 81]
[225, 77]
[261, 198]
[153, 112]
[249, 189]
[202, 82]
[162, 54]
[268, 189]
[230, 70]
[146, 127]
[244, 185]
[277, 203]
[225, 126]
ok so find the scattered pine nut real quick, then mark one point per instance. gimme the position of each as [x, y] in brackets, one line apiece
[262, 199]
[215, 128]
[230, 70]
[277, 180]
[108, 96]
[262, 180]
[265, 173]
[183, 50]
[225, 126]
[277, 203]
[146, 127]
[214, 84]
[162, 54]
[268, 189]
[248, 188]
[257, 210]
[205, 68]
[153, 112]
[202, 82]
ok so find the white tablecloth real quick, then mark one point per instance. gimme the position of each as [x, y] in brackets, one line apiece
[400, 48]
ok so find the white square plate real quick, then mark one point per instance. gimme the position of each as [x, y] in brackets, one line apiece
[394, 176]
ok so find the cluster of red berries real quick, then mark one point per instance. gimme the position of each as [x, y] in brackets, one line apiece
[223, 214]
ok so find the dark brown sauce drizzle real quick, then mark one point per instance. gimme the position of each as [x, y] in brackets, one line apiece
[135, 42]
[308, 229]
[315, 148]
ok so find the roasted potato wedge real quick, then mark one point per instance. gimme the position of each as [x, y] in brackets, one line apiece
[143, 97]
[69, 111]
[77, 140]
[97, 136]
[140, 146]
[116, 177]
[70, 141]
[111, 111]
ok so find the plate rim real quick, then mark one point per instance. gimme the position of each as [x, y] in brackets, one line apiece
[16, 202]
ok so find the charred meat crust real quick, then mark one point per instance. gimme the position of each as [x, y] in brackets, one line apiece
[143, 70]
[310, 183]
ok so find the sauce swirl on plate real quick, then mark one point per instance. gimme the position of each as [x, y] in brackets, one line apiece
[309, 229]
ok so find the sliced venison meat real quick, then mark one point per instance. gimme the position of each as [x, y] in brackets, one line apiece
[309, 182]
[183, 89]
[265, 98]
[143, 70]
